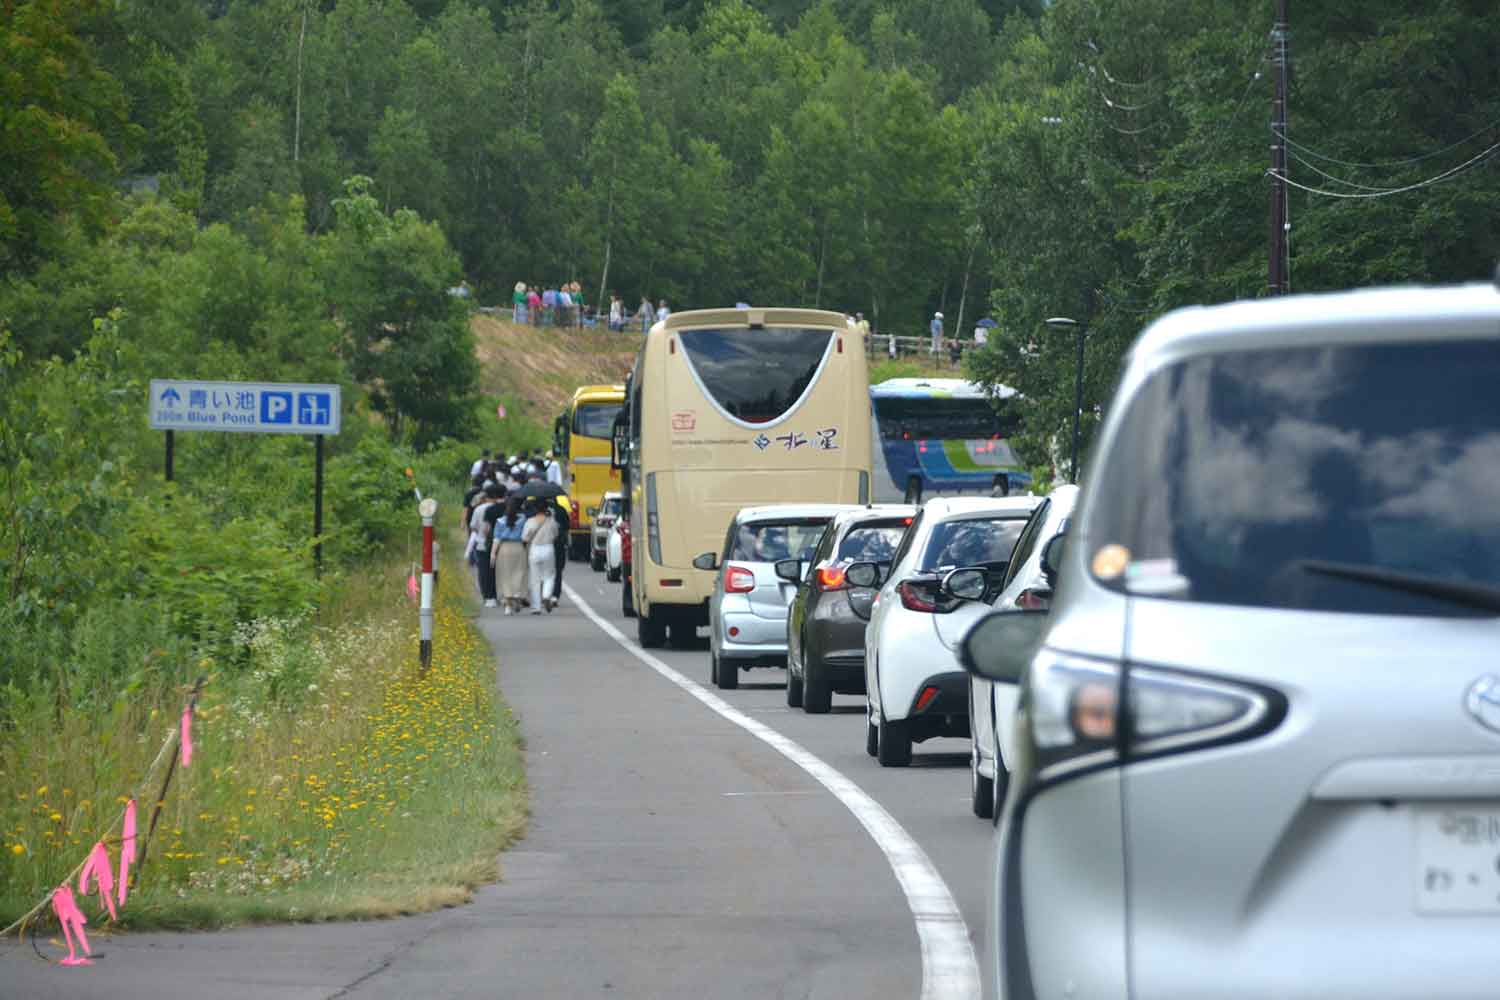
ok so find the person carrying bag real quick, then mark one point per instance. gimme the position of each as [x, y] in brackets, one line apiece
[539, 534]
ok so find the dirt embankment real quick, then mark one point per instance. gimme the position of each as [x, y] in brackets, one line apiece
[543, 365]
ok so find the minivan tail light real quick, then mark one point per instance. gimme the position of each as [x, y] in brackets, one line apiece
[738, 580]
[1076, 721]
[831, 578]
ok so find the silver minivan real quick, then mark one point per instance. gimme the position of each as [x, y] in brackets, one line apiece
[747, 611]
[1258, 732]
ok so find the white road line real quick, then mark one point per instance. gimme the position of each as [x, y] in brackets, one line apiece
[949, 969]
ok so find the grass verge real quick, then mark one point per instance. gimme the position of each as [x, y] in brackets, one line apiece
[330, 779]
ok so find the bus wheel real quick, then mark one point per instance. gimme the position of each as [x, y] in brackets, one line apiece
[914, 490]
[650, 631]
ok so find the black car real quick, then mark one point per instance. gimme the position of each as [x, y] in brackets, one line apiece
[825, 628]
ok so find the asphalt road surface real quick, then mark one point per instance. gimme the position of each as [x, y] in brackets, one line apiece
[681, 845]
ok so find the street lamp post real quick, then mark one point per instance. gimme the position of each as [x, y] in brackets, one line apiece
[1064, 323]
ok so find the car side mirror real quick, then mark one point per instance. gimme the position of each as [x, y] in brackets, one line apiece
[1052, 557]
[1001, 646]
[789, 570]
[967, 583]
[862, 574]
[707, 561]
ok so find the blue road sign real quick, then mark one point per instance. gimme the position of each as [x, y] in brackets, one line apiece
[244, 407]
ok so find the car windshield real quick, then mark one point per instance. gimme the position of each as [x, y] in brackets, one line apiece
[871, 542]
[611, 506]
[1242, 478]
[972, 542]
[768, 541]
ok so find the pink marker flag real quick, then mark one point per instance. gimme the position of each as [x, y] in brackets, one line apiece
[72, 920]
[187, 736]
[97, 868]
[127, 848]
[411, 586]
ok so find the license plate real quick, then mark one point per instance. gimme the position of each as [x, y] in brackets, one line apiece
[1458, 860]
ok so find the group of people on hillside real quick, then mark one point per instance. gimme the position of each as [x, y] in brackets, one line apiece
[564, 305]
[554, 305]
[517, 517]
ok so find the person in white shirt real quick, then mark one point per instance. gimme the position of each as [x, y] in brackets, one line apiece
[477, 469]
[662, 312]
[554, 470]
[981, 336]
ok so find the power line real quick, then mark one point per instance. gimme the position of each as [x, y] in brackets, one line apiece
[1448, 174]
[1393, 163]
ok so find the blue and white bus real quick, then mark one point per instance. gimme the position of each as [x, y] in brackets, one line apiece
[942, 436]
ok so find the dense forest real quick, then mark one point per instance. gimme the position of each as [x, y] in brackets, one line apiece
[286, 189]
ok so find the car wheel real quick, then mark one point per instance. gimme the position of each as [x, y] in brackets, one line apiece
[872, 739]
[913, 490]
[981, 789]
[793, 687]
[713, 666]
[612, 575]
[627, 601]
[650, 631]
[596, 563]
[727, 676]
[893, 743]
[817, 696]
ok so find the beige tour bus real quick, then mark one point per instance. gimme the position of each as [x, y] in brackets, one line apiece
[728, 408]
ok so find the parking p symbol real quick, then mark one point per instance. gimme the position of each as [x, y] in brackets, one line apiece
[275, 407]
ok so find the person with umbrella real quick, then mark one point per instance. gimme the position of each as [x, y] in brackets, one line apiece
[982, 331]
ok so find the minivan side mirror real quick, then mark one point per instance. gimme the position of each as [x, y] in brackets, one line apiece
[862, 574]
[1052, 557]
[1001, 646]
[707, 560]
[967, 583]
[789, 570]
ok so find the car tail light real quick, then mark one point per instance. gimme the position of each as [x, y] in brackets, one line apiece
[1076, 721]
[831, 578]
[1034, 599]
[738, 580]
[625, 542]
[918, 595]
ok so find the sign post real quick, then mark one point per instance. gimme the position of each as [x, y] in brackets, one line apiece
[428, 509]
[251, 408]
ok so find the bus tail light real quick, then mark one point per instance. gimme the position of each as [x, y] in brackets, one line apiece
[653, 524]
[738, 580]
[831, 578]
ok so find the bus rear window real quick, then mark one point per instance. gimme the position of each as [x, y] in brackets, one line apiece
[595, 420]
[755, 375]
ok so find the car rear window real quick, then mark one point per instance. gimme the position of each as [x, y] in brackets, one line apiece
[756, 375]
[1241, 478]
[972, 542]
[871, 542]
[768, 541]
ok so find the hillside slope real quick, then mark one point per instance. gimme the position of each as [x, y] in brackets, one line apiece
[541, 366]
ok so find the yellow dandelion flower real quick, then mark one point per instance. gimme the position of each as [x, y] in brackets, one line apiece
[18, 849]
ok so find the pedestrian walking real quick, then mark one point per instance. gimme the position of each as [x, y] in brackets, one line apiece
[508, 554]
[645, 314]
[539, 534]
[562, 508]
[479, 535]
[616, 313]
[553, 470]
[936, 329]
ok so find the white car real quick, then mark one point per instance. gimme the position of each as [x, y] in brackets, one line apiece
[614, 549]
[915, 687]
[1027, 584]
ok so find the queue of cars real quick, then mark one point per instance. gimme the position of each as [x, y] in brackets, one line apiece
[1238, 738]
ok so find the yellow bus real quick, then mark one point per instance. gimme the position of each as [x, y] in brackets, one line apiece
[581, 439]
[729, 408]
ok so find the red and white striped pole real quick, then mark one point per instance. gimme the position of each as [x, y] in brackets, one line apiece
[428, 509]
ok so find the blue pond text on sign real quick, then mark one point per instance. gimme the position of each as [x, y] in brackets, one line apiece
[245, 407]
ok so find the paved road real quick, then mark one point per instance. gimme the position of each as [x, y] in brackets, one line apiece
[670, 854]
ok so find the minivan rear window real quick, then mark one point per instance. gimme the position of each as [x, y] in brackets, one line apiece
[973, 542]
[1293, 477]
[756, 375]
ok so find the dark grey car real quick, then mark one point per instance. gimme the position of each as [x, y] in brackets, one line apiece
[825, 636]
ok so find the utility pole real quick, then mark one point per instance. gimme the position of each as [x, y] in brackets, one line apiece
[1277, 283]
